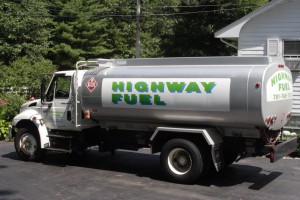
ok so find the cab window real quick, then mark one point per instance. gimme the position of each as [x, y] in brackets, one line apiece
[59, 88]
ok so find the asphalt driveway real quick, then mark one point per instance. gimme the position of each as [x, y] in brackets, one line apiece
[137, 175]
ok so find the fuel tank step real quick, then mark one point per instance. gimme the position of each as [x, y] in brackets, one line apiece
[59, 150]
[59, 136]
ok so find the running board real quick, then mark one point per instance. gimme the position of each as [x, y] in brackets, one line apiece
[59, 136]
[59, 150]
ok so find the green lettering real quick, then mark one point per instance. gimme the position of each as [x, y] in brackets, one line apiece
[279, 76]
[145, 99]
[130, 100]
[193, 87]
[157, 86]
[273, 81]
[141, 86]
[284, 87]
[208, 86]
[118, 86]
[157, 100]
[176, 87]
[129, 87]
[116, 98]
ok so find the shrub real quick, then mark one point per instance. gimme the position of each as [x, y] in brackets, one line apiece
[3, 129]
[11, 107]
[24, 75]
[10, 104]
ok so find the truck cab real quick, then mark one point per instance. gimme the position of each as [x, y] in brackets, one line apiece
[58, 101]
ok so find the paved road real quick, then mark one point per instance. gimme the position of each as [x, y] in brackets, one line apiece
[137, 175]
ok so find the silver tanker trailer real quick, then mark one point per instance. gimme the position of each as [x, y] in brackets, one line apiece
[200, 113]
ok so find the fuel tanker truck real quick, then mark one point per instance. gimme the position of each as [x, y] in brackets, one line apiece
[198, 113]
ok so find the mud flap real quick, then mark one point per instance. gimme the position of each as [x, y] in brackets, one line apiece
[282, 149]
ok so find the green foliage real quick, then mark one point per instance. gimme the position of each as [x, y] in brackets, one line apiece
[24, 30]
[193, 35]
[297, 152]
[79, 33]
[298, 147]
[13, 103]
[121, 30]
[99, 28]
[3, 129]
[25, 74]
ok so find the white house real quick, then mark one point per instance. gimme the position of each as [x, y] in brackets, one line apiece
[272, 30]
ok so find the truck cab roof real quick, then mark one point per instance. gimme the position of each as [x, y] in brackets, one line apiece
[70, 72]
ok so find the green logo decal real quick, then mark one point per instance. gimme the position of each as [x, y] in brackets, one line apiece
[279, 86]
[148, 93]
[193, 94]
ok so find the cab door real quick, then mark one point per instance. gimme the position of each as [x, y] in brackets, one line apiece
[56, 109]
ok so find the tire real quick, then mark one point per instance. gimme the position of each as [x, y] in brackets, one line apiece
[27, 145]
[183, 162]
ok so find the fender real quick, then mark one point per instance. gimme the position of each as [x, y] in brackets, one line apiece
[35, 118]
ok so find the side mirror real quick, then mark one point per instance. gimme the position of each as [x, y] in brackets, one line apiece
[43, 88]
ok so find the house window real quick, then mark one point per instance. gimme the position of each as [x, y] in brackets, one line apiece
[292, 49]
[291, 55]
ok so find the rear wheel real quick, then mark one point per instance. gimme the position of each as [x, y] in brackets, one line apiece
[182, 161]
[27, 145]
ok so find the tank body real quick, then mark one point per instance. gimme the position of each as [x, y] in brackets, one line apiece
[217, 91]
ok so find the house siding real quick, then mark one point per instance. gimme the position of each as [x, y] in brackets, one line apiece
[281, 22]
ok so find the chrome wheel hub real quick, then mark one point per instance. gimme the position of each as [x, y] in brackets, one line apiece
[179, 161]
[28, 144]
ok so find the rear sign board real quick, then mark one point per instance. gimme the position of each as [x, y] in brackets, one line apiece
[201, 94]
[279, 87]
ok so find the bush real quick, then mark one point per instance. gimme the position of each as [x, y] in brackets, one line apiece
[3, 129]
[24, 75]
[10, 106]
[298, 147]
[297, 152]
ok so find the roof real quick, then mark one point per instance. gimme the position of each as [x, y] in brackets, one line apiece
[233, 30]
[70, 72]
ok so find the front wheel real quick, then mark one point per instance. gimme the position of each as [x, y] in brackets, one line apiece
[27, 145]
[182, 161]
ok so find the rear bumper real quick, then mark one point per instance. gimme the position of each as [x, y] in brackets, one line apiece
[282, 149]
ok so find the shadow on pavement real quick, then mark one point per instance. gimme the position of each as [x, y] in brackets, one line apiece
[6, 193]
[237, 174]
[147, 165]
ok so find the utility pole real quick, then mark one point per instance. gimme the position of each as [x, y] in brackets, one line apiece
[138, 29]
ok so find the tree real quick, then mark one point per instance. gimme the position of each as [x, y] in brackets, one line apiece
[24, 29]
[156, 26]
[122, 28]
[79, 32]
[194, 30]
